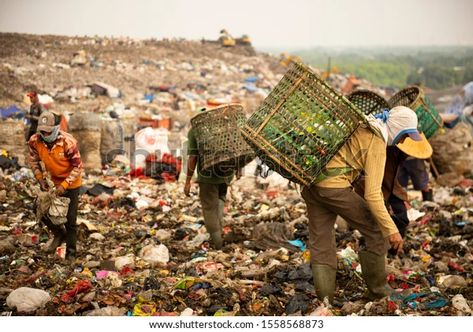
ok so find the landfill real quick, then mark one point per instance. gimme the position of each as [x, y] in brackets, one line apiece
[142, 246]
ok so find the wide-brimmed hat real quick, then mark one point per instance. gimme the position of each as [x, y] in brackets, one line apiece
[416, 145]
[46, 122]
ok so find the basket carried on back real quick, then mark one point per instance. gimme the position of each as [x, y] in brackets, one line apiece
[368, 101]
[301, 125]
[414, 98]
[221, 145]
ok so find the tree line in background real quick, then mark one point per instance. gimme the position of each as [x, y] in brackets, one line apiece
[435, 67]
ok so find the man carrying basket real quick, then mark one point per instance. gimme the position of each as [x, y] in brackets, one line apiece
[363, 154]
[212, 191]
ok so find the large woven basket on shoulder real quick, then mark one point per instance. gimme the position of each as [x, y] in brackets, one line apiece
[221, 145]
[368, 102]
[301, 125]
[414, 98]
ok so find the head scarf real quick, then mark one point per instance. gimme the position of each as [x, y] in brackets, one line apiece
[51, 137]
[393, 124]
[459, 103]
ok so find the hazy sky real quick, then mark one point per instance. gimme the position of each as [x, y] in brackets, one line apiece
[270, 23]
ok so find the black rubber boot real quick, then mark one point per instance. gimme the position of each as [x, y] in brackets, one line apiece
[427, 195]
[71, 244]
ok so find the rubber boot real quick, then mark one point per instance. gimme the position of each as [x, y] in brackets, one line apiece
[71, 244]
[324, 281]
[221, 207]
[70, 254]
[373, 268]
[217, 240]
[58, 232]
[427, 196]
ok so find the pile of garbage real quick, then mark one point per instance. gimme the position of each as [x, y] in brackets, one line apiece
[143, 250]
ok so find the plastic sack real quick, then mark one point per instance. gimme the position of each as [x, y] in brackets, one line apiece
[52, 206]
[27, 299]
[149, 140]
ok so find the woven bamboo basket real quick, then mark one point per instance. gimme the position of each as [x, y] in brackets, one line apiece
[301, 125]
[368, 102]
[414, 98]
[221, 146]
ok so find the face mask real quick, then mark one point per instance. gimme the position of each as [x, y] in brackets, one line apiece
[51, 137]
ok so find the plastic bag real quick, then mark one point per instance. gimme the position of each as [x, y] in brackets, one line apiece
[52, 206]
[27, 299]
[155, 254]
[58, 210]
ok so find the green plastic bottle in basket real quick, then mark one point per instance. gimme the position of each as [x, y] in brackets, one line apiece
[301, 125]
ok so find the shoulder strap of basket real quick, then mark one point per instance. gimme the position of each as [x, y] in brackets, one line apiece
[336, 171]
[332, 172]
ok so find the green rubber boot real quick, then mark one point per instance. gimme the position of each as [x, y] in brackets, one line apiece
[217, 240]
[374, 273]
[324, 281]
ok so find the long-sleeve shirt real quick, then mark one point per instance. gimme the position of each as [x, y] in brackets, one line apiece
[62, 160]
[364, 152]
[390, 186]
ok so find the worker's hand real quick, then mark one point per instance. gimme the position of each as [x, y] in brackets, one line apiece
[187, 187]
[43, 185]
[60, 190]
[396, 242]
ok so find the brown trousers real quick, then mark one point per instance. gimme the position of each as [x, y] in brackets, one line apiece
[212, 199]
[323, 206]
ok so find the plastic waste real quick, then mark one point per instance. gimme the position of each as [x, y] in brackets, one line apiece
[107, 311]
[452, 281]
[128, 260]
[155, 254]
[81, 286]
[187, 312]
[460, 303]
[348, 256]
[26, 299]
[321, 310]
[185, 283]
[298, 243]
[198, 240]
[149, 140]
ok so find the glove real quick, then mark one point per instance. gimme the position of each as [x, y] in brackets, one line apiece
[43, 185]
[60, 190]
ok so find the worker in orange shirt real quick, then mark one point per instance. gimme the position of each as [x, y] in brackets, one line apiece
[60, 155]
